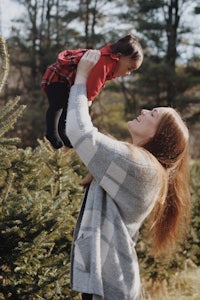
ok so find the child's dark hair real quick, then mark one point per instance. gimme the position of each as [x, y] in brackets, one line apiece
[128, 46]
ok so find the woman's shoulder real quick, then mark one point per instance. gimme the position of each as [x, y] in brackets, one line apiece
[140, 159]
[137, 154]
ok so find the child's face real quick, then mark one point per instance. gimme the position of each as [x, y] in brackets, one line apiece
[126, 65]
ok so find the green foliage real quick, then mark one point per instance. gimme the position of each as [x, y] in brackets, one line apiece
[8, 116]
[40, 199]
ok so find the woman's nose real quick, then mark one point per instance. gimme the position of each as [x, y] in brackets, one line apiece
[144, 111]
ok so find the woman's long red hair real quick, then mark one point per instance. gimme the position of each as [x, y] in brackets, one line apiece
[171, 215]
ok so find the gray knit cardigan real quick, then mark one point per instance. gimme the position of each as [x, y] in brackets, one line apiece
[122, 194]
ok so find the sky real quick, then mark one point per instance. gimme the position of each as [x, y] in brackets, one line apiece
[9, 9]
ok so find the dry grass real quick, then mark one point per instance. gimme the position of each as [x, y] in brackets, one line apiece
[184, 285]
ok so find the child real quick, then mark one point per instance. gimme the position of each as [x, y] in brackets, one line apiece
[117, 59]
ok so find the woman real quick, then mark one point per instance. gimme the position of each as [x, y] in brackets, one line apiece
[130, 181]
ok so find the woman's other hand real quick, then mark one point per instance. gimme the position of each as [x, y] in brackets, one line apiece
[87, 180]
[85, 65]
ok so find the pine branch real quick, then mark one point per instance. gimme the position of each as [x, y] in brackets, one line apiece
[9, 107]
[9, 121]
[8, 187]
[11, 111]
[8, 142]
[5, 62]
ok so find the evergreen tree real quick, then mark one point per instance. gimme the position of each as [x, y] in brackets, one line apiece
[39, 202]
[40, 198]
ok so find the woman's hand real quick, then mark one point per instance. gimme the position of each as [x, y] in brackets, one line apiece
[87, 180]
[85, 65]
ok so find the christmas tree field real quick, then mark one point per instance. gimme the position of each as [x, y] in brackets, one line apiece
[40, 198]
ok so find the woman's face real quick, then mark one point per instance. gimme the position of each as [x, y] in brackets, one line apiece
[144, 127]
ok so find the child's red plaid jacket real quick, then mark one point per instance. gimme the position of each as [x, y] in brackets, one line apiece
[64, 70]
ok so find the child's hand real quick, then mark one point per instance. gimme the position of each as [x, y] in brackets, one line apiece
[87, 180]
[85, 65]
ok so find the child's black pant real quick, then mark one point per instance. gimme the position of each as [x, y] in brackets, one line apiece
[57, 94]
[86, 297]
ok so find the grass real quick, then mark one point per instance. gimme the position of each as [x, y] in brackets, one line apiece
[184, 285]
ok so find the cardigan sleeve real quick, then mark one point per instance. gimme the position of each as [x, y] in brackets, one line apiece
[91, 145]
[107, 159]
